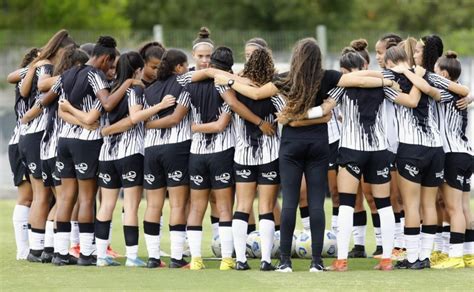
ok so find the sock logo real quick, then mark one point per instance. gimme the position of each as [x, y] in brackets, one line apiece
[354, 168]
[197, 179]
[149, 178]
[175, 175]
[32, 167]
[130, 176]
[383, 173]
[59, 166]
[44, 175]
[412, 170]
[440, 174]
[105, 177]
[245, 173]
[224, 178]
[81, 167]
[270, 175]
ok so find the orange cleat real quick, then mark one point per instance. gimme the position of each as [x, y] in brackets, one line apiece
[338, 266]
[384, 265]
[112, 253]
[75, 250]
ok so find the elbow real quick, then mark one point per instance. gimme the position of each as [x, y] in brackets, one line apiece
[107, 107]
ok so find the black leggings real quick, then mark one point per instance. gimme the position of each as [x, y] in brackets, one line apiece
[311, 158]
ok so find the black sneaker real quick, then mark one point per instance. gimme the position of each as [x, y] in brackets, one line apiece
[67, 260]
[86, 260]
[284, 266]
[46, 257]
[425, 263]
[239, 266]
[317, 266]
[358, 251]
[154, 263]
[178, 264]
[34, 256]
[405, 264]
[378, 251]
[265, 266]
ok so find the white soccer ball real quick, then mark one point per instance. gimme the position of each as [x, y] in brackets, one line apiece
[303, 245]
[254, 245]
[330, 244]
[216, 246]
[276, 245]
[296, 234]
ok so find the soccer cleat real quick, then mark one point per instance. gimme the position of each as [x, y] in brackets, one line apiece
[155, 263]
[239, 266]
[434, 257]
[64, 260]
[75, 250]
[46, 257]
[358, 251]
[468, 260]
[178, 264]
[266, 266]
[33, 257]
[384, 265]
[227, 264]
[405, 264]
[441, 257]
[106, 262]
[317, 266]
[378, 252]
[398, 254]
[450, 263]
[284, 268]
[112, 253]
[426, 263]
[196, 264]
[338, 266]
[86, 260]
[136, 262]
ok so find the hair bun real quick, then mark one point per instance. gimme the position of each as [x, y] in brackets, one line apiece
[451, 55]
[359, 45]
[204, 33]
[107, 41]
[347, 50]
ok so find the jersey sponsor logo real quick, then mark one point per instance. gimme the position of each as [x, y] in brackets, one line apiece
[175, 175]
[32, 167]
[44, 175]
[412, 170]
[149, 178]
[130, 176]
[440, 174]
[224, 178]
[245, 173]
[105, 177]
[354, 168]
[81, 167]
[460, 178]
[59, 165]
[270, 175]
[383, 173]
[197, 179]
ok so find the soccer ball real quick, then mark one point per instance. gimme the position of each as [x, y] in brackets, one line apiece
[186, 250]
[276, 245]
[330, 244]
[216, 246]
[303, 245]
[296, 234]
[254, 246]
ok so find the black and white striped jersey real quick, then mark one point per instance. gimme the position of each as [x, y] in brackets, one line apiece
[364, 125]
[416, 126]
[153, 95]
[334, 126]
[392, 126]
[80, 86]
[207, 106]
[38, 124]
[127, 143]
[252, 147]
[20, 108]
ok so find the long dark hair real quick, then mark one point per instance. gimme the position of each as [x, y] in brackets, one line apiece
[351, 59]
[171, 58]
[432, 50]
[260, 67]
[59, 40]
[70, 57]
[127, 64]
[304, 79]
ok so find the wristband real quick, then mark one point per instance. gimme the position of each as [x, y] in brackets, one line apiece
[260, 123]
[315, 112]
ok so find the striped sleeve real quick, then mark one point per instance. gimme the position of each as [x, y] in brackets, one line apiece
[336, 93]
[184, 99]
[446, 96]
[222, 88]
[226, 108]
[388, 74]
[23, 72]
[45, 69]
[390, 93]
[97, 82]
[98, 105]
[438, 81]
[57, 87]
[278, 103]
[185, 79]
[134, 98]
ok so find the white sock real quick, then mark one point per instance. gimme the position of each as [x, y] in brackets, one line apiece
[334, 224]
[402, 223]
[109, 241]
[74, 233]
[86, 240]
[427, 241]
[438, 242]
[49, 234]
[305, 222]
[378, 236]
[194, 240]
[412, 245]
[61, 242]
[239, 231]
[398, 235]
[227, 243]
[456, 250]
[344, 223]
[101, 245]
[20, 225]
[177, 239]
[387, 226]
[358, 233]
[267, 232]
[446, 236]
[215, 229]
[131, 251]
[153, 245]
[36, 240]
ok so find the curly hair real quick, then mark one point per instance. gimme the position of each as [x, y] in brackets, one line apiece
[69, 58]
[29, 57]
[260, 67]
[432, 50]
[304, 79]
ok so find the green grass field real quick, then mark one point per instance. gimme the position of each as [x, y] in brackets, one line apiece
[21, 275]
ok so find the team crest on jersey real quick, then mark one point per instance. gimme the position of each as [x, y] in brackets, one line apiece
[130, 176]
[32, 167]
[412, 170]
[440, 174]
[81, 167]
[245, 173]
[224, 178]
[59, 165]
[383, 173]
[270, 175]
[354, 168]
[105, 177]
[197, 179]
[175, 175]
[149, 178]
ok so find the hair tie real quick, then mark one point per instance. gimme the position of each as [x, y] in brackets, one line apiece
[203, 43]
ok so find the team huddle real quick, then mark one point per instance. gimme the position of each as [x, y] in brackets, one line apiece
[93, 124]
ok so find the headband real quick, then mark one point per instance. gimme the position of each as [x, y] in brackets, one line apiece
[203, 43]
[256, 45]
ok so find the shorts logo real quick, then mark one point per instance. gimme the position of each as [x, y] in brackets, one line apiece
[331, 164]
[383, 172]
[354, 168]
[55, 177]
[197, 179]
[224, 178]
[32, 167]
[44, 175]
[81, 167]
[105, 177]
[130, 176]
[245, 173]
[468, 181]
[440, 174]
[270, 175]
[149, 178]
[59, 165]
[413, 170]
[175, 175]
[460, 178]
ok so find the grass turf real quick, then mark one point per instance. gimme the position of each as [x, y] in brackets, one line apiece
[21, 275]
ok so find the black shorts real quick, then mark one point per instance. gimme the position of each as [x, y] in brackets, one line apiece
[458, 168]
[126, 172]
[212, 171]
[333, 150]
[265, 174]
[29, 146]
[393, 163]
[78, 158]
[421, 164]
[166, 165]
[49, 173]
[373, 165]
[17, 165]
